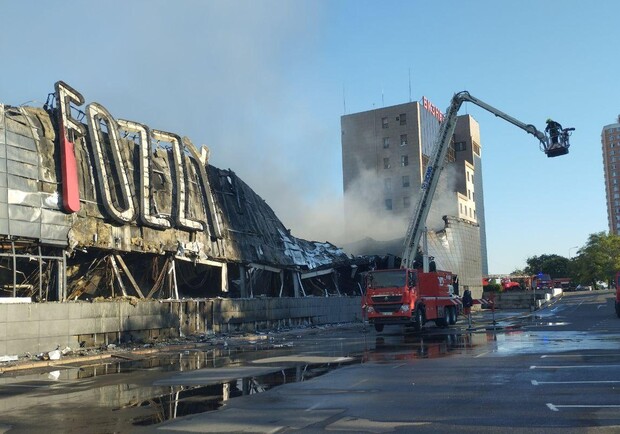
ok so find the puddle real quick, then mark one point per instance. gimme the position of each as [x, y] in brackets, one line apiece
[121, 393]
[186, 400]
[556, 341]
[389, 348]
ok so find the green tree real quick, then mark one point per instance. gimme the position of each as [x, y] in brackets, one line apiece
[598, 260]
[554, 265]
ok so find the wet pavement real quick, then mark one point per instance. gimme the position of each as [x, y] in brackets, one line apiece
[133, 392]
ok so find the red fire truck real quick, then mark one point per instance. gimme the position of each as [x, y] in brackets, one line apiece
[410, 297]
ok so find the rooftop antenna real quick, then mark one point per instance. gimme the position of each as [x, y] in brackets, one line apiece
[344, 101]
[409, 84]
[382, 101]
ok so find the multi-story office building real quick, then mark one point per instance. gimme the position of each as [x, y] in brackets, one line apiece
[384, 155]
[610, 139]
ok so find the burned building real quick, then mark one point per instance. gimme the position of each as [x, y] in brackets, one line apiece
[93, 206]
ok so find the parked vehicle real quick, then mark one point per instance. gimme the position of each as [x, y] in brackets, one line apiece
[410, 297]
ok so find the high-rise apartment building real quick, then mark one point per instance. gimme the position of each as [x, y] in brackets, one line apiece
[384, 156]
[610, 139]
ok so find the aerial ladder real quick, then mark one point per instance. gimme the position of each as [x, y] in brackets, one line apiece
[417, 225]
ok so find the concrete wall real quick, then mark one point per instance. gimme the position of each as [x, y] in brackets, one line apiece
[266, 313]
[41, 327]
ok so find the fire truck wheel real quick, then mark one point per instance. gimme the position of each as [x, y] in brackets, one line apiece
[441, 322]
[379, 327]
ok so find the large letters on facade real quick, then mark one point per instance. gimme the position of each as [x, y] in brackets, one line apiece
[112, 171]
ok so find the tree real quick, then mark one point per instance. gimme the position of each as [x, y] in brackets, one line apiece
[554, 265]
[599, 260]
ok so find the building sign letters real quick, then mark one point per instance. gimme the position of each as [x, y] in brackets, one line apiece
[112, 171]
[433, 109]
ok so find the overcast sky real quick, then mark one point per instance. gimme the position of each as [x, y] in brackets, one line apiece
[263, 84]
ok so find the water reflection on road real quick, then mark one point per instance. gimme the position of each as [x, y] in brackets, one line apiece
[133, 391]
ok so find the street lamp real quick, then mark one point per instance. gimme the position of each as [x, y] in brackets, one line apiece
[571, 248]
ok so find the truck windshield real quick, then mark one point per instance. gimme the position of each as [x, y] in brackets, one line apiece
[387, 279]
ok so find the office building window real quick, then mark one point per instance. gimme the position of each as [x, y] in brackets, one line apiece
[403, 140]
[405, 181]
[387, 184]
[384, 122]
[404, 160]
[388, 204]
[406, 202]
[476, 148]
[386, 163]
[403, 118]
[386, 142]
[460, 146]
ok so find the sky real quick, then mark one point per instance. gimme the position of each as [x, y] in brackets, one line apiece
[263, 84]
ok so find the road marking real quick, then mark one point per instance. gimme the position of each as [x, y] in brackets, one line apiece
[574, 366]
[398, 366]
[359, 382]
[556, 407]
[482, 354]
[548, 356]
[538, 383]
[29, 386]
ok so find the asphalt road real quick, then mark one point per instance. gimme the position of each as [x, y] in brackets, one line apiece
[557, 370]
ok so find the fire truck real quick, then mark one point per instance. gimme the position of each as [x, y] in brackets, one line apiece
[414, 296]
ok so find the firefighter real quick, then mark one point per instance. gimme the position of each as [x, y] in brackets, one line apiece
[468, 302]
[554, 129]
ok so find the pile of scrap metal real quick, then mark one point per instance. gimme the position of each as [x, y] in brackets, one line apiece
[94, 207]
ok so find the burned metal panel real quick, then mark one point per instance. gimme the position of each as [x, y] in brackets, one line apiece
[23, 193]
[18, 168]
[18, 140]
[3, 168]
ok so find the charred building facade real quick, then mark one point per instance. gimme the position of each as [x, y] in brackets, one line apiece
[93, 206]
[384, 157]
